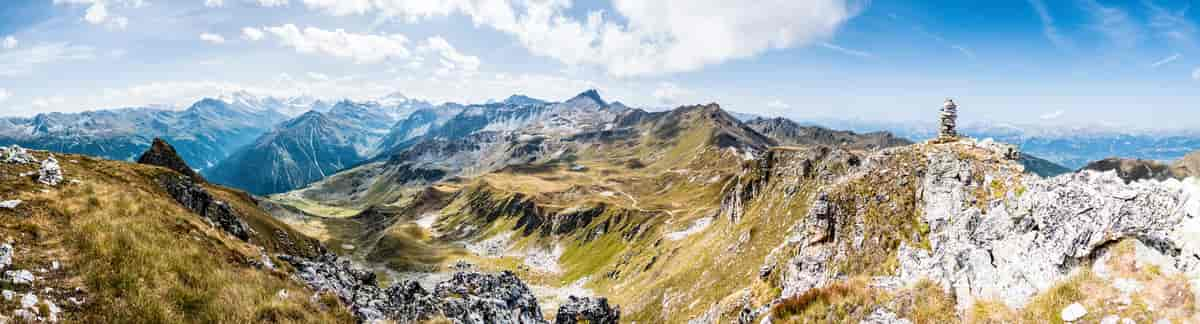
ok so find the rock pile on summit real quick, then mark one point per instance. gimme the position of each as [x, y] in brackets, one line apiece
[50, 173]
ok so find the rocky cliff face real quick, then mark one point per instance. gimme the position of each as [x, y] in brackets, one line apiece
[967, 219]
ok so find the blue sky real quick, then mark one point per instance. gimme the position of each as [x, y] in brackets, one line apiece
[1132, 64]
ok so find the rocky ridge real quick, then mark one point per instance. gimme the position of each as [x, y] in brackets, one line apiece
[984, 230]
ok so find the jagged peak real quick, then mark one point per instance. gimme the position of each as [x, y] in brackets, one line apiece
[163, 154]
[592, 95]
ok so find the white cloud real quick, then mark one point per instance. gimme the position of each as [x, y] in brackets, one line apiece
[1196, 74]
[1114, 23]
[4, 94]
[9, 42]
[1175, 27]
[1052, 115]
[361, 48]
[22, 62]
[846, 51]
[668, 93]
[212, 38]
[451, 60]
[318, 76]
[964, 50]
[52, 102]
[253, 34]
[272, 3]
[650, 37]
[97, 13]
[1166, 60]
[777, 104]
[1048, 27]
[214, 3]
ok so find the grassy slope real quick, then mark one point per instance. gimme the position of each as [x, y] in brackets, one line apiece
[142, 258]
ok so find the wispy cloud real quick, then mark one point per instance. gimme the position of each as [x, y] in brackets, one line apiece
[1166, 60]
[966, 51]
[846, 51]
[1052, 115]
[212, 38]
[22, 62]
[1196, 74]
[9, 42]
[4, 94]
[1049, 29]
[777, 104]
[1114, 23]
[1175, 27]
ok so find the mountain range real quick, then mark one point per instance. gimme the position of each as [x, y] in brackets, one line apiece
[586, 210]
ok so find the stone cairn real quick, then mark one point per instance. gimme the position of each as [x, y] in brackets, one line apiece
[946, 132]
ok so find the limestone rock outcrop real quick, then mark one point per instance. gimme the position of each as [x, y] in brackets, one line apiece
[163, 154]
[194, 197]
[587, 310]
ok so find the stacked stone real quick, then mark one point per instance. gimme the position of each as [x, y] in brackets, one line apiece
[949, 120]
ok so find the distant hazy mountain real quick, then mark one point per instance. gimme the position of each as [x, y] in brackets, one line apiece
[203, 134]
[788, 132]
[309, 147]
[1069, 146]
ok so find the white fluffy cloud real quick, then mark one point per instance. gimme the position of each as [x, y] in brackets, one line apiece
[778, 104]
[361, 48]
[654, 37]
[212, 38]
[22, 62]
[449, 57]
[214, 3]
[9, 42]
[97, 12]
[668, 93]
[251, 33]
[4, 94]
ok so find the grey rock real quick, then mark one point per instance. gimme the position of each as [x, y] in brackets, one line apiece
[50, 173]
[8, 294]
[6, 255]
[29, 301]
[587, 310]
[1073, 312]
[10, 204]
[197, 199]
[20, 277]
[468, 297]
[16, 155]
[884, 316]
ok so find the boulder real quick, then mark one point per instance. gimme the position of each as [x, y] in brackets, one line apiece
[587, 310]
[20, 277]
[6, 255]
[164, 155]
[16, 155]
[1073, 312]
[10, 204]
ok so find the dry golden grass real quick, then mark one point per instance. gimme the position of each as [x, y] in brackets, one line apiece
[139, 257]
